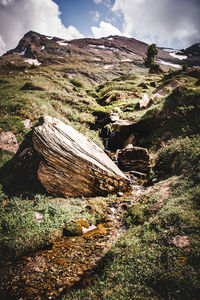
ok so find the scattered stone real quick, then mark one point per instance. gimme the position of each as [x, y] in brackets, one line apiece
[27, 123]
[181, 241]
[8, 142]
[144, 102]
[117, 110]
[134, 159]
[38, 216]
[120, 194]
[85, 229]
[114, 117]
[155, 180]
[72, 229]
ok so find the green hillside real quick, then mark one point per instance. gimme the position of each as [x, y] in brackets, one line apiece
[158, 255]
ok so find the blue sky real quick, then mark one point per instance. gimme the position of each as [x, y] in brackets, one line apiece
[83, 14]
[168, 23]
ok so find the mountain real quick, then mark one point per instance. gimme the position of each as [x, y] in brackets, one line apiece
[103, 58]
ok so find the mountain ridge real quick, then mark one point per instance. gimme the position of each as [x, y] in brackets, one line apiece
[112, 48]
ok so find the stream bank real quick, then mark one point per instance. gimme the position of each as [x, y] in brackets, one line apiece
[50, 273]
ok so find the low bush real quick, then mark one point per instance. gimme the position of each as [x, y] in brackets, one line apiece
[77, 83]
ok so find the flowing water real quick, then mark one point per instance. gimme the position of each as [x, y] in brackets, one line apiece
[49, 273]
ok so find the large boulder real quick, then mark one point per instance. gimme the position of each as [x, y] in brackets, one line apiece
[135, 159]
[71, 165]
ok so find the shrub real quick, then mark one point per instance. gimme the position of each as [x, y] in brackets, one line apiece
[76, 83]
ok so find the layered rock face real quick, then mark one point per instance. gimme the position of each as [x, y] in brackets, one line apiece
[71, 165]
[135, 159]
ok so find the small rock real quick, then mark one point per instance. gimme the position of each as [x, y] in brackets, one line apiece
[120, 194]
[114, 117]
[27, 123]
[181, 241]
[8, 142]
[72, 229]
[117, 110]
[155, 180]
[144, 101]
[38, 216]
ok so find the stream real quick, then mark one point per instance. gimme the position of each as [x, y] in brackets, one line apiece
[50, 273]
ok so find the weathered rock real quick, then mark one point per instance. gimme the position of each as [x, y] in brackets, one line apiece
[134, 159]
[71, 165]
[119, 96]
[114, 117]
[8, 142]
[144, 102]
[27, 123]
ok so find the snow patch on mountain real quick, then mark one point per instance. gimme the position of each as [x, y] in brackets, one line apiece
[23, 52]
[62, 43]
[169, 64]
[32, 61]
[178, 56]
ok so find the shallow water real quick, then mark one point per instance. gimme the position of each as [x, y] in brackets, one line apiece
[47, 274]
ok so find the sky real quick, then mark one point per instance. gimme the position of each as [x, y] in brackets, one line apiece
[168, 23]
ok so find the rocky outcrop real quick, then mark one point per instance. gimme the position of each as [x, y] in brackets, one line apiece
[71, 165]
[119, 96]
[135, 159]
[8, 142]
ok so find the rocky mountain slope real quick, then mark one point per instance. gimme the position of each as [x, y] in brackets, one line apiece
[103, 58]
[148, 124]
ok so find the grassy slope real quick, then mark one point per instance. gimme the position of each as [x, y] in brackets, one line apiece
[145, 262]
[158, 257]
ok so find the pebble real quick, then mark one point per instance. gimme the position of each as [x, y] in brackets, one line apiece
[120, 194]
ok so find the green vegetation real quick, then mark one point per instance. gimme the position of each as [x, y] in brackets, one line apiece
[152, 51]
[28, 225]
[158, 257]
[77, 83]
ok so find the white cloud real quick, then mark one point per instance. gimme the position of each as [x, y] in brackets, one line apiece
[6, 2]
[19, 16]
[163, 22]
[105, 29]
